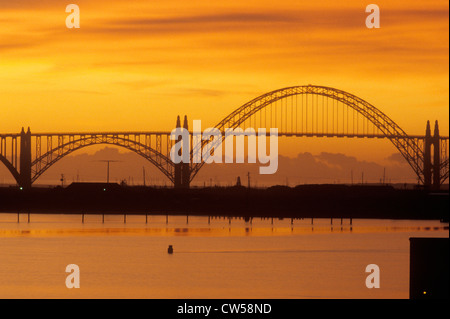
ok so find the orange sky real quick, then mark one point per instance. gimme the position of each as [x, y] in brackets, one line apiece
[137, 64]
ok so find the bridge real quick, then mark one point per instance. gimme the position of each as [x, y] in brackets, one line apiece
[300, 111]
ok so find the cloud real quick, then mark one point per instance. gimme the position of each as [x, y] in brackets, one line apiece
[321, 19]
[304, 168]
[264, 21]
[45, 4]
[85, 92]
[310, 168]
[322, 31]
[201, 92]
[397, 158]
[15, 46]
[141, 84]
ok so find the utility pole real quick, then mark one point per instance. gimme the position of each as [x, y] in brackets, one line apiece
[143, 172]
[107, 168]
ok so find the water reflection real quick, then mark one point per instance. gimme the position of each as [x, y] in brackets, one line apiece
[38, 225]
[214, 257]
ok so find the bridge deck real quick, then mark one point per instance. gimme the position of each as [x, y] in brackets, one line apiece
[285, 134]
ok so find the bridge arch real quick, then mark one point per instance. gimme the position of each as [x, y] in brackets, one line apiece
[444, 169]
[406, 145]
[46, 160]
[10, 167]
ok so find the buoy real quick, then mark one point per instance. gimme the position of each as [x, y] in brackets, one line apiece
[170, 249]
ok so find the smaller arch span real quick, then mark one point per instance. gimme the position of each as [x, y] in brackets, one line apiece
[45, 161]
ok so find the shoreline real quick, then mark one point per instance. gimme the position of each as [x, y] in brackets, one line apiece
[303, 201]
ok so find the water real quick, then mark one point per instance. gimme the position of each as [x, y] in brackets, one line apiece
[212, 259]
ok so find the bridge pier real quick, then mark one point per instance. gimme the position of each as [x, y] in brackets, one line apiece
[185, 168]
[182, 174]
[25, 159]
[177, 170]
[427, 157]
[436, 158]
[432, 168]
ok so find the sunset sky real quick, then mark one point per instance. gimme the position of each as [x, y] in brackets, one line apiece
[137, 64]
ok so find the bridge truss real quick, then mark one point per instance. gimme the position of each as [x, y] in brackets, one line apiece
[300, 111]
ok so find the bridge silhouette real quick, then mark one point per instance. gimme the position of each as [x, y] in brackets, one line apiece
[300, 111]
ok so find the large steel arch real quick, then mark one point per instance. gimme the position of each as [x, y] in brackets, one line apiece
[406, 145]
[161, 161]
